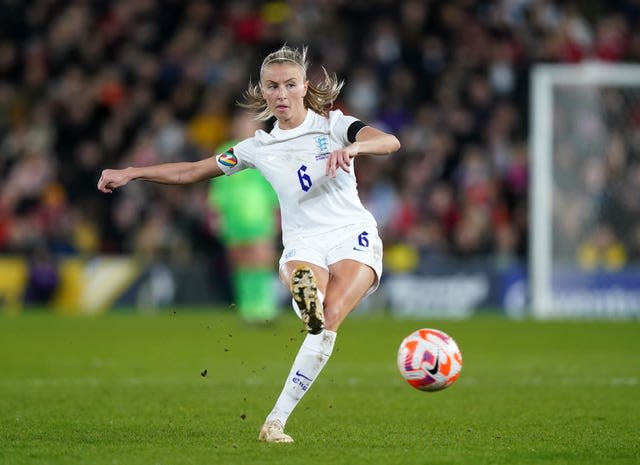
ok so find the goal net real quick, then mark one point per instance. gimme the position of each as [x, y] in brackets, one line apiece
[585, 191]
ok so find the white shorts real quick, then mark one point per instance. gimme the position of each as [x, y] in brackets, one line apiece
[360, 243]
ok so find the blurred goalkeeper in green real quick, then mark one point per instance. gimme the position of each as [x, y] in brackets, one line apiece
[247, 207]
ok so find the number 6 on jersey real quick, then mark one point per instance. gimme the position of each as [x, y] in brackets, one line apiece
[304, 178]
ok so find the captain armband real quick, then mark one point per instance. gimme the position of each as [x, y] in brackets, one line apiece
[353, 130]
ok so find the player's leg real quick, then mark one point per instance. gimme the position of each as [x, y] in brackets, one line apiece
[307, 281]
[349, 281]
[349, 278]
[345, 286]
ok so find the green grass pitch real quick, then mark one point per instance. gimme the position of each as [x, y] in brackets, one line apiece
[131, 389]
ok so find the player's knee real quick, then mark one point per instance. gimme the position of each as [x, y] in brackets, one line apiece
[334, 315]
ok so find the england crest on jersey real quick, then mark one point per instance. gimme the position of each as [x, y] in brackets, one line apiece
[322, 144]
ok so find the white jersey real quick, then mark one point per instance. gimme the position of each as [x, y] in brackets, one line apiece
[294, 161]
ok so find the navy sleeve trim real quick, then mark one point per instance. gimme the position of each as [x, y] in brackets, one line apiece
[353, 130]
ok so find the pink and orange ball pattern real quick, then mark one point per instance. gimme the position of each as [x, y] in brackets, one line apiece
[429, 359]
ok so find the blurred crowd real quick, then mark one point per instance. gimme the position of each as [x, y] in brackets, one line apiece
[90, 84]
[596, 212]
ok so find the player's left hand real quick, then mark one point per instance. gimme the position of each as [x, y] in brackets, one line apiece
[340, 158]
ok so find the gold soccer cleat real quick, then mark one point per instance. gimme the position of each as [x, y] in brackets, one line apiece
[305, 293]
[273, 431]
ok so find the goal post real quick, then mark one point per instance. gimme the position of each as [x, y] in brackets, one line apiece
[576, 112]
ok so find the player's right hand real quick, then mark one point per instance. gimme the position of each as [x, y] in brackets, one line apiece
[340, 158]
[112, 179]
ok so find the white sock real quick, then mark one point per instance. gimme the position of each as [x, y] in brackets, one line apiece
[312, 356]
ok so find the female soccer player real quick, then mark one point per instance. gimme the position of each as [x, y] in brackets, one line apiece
[332, 253]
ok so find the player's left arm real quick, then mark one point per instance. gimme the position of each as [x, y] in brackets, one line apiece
[368, 141]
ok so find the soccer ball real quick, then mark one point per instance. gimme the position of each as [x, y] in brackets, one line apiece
[429, 360]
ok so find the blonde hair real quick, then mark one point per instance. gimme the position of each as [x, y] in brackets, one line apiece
[319, 97]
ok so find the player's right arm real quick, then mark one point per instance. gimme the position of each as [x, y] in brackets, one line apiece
[166, 173]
